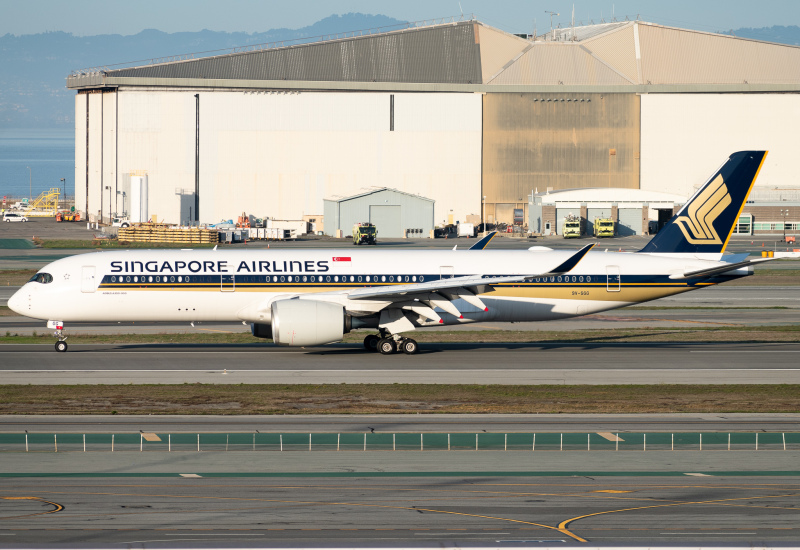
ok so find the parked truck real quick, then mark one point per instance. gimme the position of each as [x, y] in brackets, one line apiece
[604, 227]
[365, 233]
[573, 228]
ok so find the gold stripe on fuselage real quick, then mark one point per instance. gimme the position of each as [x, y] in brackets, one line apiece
[634, 292]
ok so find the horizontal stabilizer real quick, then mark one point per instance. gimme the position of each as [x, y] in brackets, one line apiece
[718, 270]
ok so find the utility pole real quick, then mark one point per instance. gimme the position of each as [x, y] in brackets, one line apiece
[30, 184]
[552, 13]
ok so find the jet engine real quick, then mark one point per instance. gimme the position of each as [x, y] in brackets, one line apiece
[308, 322]
[261, 330]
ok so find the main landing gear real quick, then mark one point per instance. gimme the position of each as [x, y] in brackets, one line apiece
[387, 344]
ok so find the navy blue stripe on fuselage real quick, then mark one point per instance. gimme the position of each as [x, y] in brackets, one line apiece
[200, 282]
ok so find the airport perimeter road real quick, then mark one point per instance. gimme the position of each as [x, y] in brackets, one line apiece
[468, 363]
[409, 423]
[365, 498]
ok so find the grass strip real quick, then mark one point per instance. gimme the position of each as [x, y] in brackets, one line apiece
[16, 277]
[693, 334]
[298, 399]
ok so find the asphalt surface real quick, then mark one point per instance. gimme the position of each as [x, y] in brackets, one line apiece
[330, 499]
[467, 363]
[409, 423]
[374, 499]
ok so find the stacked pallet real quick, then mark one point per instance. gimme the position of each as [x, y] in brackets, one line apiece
[161, 233]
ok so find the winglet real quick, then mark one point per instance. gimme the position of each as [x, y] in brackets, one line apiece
[573, 260]
[481, 244]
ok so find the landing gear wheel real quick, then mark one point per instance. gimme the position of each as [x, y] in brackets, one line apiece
[61, 345]
[386, 346]
[371, 342]
[409, 346]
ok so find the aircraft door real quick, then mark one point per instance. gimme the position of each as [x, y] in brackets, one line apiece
[88, 282]
[612, 278]
[446, 272]
[227, 283]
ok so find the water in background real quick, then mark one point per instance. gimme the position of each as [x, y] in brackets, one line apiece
[49, 153]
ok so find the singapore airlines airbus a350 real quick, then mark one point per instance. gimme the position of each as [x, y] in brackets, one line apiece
[312, 297]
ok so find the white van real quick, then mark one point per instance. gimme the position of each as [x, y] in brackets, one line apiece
[13, 217]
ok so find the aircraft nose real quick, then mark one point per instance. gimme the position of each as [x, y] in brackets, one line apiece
[17, 302]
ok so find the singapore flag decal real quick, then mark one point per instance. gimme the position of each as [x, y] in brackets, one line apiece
[341, 258]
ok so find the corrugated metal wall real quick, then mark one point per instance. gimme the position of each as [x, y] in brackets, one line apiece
[435, 54]
[686, 137]
[279, 155]
[629, 221]
[91, 203]
[556, 141]
[415, 213]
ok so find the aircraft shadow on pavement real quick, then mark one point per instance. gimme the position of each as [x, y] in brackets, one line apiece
[424, 348]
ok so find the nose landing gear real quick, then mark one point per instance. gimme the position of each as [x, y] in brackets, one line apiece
[61, 345]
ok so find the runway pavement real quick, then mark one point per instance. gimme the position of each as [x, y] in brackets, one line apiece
[329, 499]
[468, 363]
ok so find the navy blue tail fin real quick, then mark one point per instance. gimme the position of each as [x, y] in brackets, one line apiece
[706, 221]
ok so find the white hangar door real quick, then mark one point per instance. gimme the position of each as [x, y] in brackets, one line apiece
[630, 221]
[386, 220]
[591, 214]
[561, 214]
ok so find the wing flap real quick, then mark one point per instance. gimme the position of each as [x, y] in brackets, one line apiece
[474, 284]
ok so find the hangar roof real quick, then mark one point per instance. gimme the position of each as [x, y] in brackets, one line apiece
[470, 56]
[372, 191]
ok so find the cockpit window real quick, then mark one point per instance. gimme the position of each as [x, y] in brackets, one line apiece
[43, 278]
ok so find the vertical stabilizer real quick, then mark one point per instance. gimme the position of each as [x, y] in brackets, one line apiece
[705, 223]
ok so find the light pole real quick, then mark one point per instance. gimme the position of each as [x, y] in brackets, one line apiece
[30, 184]
[64, 186]
[483, 218]
[123, 200]
[784, 213]
[109, 206]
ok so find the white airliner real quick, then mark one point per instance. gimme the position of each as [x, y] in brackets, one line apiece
[310, 297]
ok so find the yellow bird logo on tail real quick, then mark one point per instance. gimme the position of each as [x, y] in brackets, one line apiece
[698, 223]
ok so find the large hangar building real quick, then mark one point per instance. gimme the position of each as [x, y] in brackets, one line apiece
[459, 112]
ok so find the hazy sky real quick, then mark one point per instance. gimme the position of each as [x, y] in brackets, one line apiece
[87, 17]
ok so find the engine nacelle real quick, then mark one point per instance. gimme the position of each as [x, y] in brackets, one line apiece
[261, 330]
[308, 322]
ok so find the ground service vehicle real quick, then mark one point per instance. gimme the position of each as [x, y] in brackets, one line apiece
[13, 217]
[309, 297]
[572, 227]
[120, 222]
[365, 233]
[603, 227]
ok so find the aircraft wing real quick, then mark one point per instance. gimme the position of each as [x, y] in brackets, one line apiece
[718, 270]
[469, 284]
